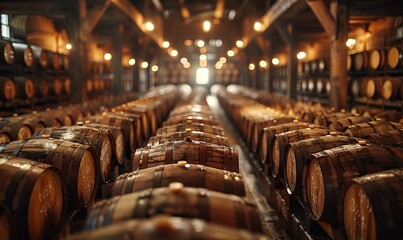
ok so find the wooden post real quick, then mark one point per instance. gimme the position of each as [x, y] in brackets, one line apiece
[338, 56]
[117, 64]
[291, 65]
[75, 17]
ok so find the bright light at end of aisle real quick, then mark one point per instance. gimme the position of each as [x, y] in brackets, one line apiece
[202, 76]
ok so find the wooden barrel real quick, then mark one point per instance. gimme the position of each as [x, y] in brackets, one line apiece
[136, 120]
[389, 138]
[356, 87]
[89, 86]
[23, 54]
[325, 173]
[283, 139]
[25, 87]
[41, 58]
[148, 120]
[42, 87]
[312, 85]
[176, 200]
[304, 85]
[349, 62]
[164, 227]
[323, 65]
[194, 152]
[363, 129]
[56, 86]
[191, 127]
[327, 118]
[34, 195]
[395, 57]
[6, 52]
[8, 89]
[7, 225]
[343, 123]
[190, 119]
[190, 175]
[195, 135]
[321, 85]
[65, 62]
[118, 137]
[118, 121]
[55, 60]
[371, 206]
[360, 61]
[76, 162]
[377, 59]
[192, 108]
[66, 85]
[269, 135]
[55, 118]
[101, 140]
[259, 126]
[19, 127]
[374, 87]
[392, 89]
[297, 152]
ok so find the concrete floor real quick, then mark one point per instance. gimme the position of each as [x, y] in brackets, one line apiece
[254, 187]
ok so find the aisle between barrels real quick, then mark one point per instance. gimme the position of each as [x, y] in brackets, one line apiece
[254, 185]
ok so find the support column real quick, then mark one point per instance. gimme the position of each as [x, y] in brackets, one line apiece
[338, 57]
[291, 65]
[75, 17]
[117, 63]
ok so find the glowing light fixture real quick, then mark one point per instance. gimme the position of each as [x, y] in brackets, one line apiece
[218, 43]
[206, 26]
[275, 61]
[239, 43]
[165, 44]
[108, 56]
[350, 42]
[149, 26]
[188, 42]
[202, 76]
[69, 46]
[154, 68]
[263, 64]
[258, 26]
[203, 57]
[218, 65]
[184, 60]
[132, 61]
[200, 43]
[174, 53]
[144, 65]
[203, 63]
[231, 14]
[230, 53]
[186, 65]
[223, 59]
[251, 66]
[301, 55]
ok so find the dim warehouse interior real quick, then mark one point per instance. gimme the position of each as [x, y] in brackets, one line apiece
[201, 119]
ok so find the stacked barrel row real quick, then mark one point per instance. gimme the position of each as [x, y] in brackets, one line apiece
[185, 184]
[32, 73]
[58, 172]
[341, 168]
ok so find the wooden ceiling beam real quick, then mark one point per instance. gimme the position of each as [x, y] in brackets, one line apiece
[282, 30]
[219, 9]
[158, 5]
[322, 13]
[93, 17]
[135, 15]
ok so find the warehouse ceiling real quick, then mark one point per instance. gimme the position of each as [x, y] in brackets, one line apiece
[181, 21]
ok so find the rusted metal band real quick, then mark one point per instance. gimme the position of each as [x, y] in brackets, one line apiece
[203, 153]
[157, 179]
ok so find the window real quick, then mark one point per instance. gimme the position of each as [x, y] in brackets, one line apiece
[5, 26]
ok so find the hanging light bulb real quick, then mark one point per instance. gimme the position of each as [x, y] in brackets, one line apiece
[275, 61]
[132, 61]
[239, 43]
[149, 26]
[301, 55]
[165, 44]
[251, 66]
[206, 26]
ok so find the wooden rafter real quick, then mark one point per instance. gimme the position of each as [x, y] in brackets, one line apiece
[219, 9]
[93, 17]
[322, 13]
